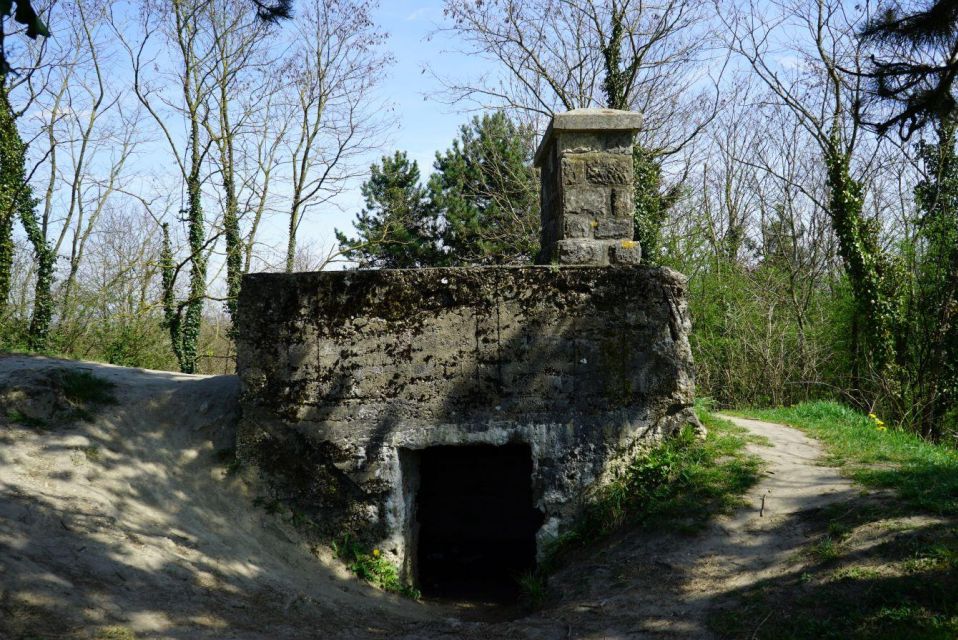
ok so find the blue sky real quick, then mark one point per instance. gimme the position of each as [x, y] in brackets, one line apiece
[425, 125]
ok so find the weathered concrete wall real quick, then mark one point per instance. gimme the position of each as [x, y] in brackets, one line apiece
[587, 208]
[342, 371]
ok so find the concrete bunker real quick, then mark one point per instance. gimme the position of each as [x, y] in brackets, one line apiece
[363, 390]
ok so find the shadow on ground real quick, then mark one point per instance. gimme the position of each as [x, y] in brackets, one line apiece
[131, 521]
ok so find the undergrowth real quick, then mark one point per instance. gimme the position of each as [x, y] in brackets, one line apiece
[82, 387]
[680, 484]
[373, 567]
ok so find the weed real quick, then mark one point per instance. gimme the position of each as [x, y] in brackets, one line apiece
[825, 550]
[115, 633]
[681, 483]
[82, 387]
[533, 588]
[838, 529]
[857, 573]
[21, 418]
[373, 567]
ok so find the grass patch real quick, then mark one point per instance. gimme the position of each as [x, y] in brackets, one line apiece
[879, 567]
[533, 589]
[115, 633]
[923, 474]
[681, 484]
[373, 567]
[18, 417]
[82, 387]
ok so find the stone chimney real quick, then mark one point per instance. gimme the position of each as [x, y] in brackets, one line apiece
[587, 206]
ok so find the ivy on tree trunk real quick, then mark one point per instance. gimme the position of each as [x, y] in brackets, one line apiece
[16, 198]
[859, 247]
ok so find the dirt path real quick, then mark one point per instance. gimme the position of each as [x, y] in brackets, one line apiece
[662, 585]
[130, 522]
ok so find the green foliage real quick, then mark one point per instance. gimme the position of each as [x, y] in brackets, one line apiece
[16, 199]
[193, 317]
[651, 203]
[744, 329]
[82, 387]
[680, 483]
[485, 193]
[929, 331]
[397, 229]
[24, 13]
[865, 264]
[373, 567]
[924, 474]
[881, 566]
[18, 417]
[533, 589]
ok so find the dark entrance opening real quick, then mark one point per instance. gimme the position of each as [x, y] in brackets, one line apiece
[476, 521]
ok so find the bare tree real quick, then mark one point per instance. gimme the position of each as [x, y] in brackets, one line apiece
[181, 26]
[337, 63]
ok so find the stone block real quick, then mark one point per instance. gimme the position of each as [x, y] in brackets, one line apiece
[583, 251]
[573, 170]
[586, 201]
[609, 169]
[623, 202]
[582, 142]
[626, 252]
[614, 228]
[578, 226]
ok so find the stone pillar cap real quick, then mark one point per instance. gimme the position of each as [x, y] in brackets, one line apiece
[588, 120]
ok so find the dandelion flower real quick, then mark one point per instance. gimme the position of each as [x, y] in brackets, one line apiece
[376, 553]
[873, 416]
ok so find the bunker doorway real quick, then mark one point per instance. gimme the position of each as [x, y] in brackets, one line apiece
[475, 521]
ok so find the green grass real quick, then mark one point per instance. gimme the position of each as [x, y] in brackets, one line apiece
[533, 589]
[82, 387]
[924, 475]
[881, 566]
[679, 484]
[21, 418]
[115, 633]
[373, 567]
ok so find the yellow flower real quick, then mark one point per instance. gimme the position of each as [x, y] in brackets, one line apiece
[879, 422]
[881, 428]
[873, 416]
[376, 553]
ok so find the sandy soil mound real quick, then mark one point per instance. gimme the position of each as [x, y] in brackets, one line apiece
[121, 516]
[118, 517]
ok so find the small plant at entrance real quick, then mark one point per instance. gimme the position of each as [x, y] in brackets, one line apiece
[533, 588]
[373, 567]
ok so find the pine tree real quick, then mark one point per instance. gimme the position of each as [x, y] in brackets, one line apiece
[913, 69]
[396, 229]
[485, 192]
